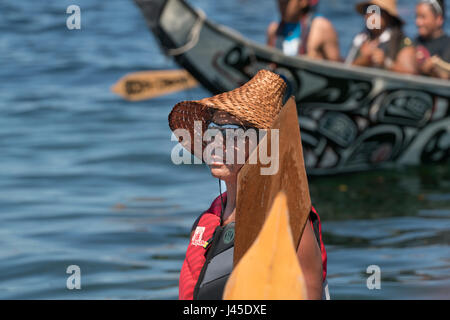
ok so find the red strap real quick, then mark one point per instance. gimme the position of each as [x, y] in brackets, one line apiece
[322, 245]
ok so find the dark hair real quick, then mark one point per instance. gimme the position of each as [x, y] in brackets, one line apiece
[441, 4]
[306, 9]
[397, 37]
[311, 6]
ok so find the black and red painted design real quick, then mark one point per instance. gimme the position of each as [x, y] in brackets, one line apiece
[351, 119]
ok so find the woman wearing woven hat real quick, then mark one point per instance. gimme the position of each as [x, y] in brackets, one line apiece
[382, 44]
[432, 44]
[209, 256]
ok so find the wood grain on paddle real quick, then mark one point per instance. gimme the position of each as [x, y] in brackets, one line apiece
[257, 192]
[150, 84]
[269, 270]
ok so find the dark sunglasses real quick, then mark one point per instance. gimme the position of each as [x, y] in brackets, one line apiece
[222, 128]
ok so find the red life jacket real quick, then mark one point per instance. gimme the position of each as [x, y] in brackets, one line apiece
[204, 229]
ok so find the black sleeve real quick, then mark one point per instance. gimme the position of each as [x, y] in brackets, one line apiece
[315, 224]
[446, 53]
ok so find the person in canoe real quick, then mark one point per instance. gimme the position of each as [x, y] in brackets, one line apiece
[209, 256]
[432, 44]
[302, 31]
[382, 44]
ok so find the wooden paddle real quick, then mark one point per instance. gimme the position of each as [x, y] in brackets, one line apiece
[150, 84]
[257, 192]
[269, 270]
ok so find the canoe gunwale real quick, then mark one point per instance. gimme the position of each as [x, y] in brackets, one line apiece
[299, 62]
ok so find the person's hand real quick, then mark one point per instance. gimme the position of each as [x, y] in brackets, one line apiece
[427, 67]
[367, 49]
[440, 68]
[365, 54]
[378, 57]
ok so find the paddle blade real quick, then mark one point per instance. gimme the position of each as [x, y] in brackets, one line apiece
[150, 84]
[256, 192]
[269, 270]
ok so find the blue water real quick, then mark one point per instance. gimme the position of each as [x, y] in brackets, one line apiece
[86, 178]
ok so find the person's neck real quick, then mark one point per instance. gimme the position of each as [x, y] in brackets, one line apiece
[433, 35]
[229, 213]
[436, 34]
[376, 33]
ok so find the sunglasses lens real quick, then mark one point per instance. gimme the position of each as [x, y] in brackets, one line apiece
[228, 130]
[213, 125]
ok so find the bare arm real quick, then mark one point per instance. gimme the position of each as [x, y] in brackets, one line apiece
[366, 50]
[310, 258]
[436, 67]
[363, 61]
[442, 68]
[323, 40]
[271, 34]
[406, 61]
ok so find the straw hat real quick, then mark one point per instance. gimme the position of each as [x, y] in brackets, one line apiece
[256, 103]
[389, 6]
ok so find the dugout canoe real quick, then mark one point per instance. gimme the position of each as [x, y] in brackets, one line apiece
[351, 118]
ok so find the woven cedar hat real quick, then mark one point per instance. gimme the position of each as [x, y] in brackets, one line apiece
[256, 104]
[389, 6]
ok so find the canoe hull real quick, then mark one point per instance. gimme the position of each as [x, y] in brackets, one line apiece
[352, 119]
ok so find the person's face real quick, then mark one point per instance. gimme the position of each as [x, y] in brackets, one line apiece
[384, 20]
[219, 166]
[290, 9]
[426, 21]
